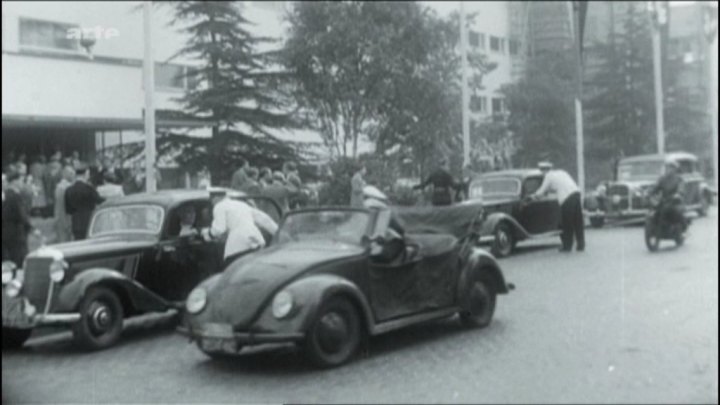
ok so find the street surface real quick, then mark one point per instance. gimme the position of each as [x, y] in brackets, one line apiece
[613, 324]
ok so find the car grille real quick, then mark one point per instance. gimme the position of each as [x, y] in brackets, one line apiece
[37, 281]
[618, 190]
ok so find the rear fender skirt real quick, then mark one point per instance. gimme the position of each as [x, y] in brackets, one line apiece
[142, 299]
[488, 226]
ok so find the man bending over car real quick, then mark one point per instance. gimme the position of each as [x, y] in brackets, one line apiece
[241, 223]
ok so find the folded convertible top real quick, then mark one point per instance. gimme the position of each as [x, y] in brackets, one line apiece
[455, 220]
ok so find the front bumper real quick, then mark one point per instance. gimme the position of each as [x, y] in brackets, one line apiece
[18, 312]
[213, 337]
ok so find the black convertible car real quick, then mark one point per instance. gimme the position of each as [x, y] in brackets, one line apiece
[138, 258]
[333, 276]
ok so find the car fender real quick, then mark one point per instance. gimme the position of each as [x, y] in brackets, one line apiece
[493, 219]
[309, 293]
[131, 292]
[479, 262]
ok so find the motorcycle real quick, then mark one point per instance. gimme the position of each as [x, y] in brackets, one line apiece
[659, 227]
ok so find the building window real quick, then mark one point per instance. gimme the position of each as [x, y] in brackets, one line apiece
[514, 46]
[478, 104]
[498, 105]
[497, 44]
[174, 77]
[474, 39]
[47, 34]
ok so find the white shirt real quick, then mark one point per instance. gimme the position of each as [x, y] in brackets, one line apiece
[240, 221]
[108, 190]
[560, 182]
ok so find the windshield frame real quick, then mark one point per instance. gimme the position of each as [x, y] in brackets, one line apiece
[372, 219]
[156, 233]
[647, 177]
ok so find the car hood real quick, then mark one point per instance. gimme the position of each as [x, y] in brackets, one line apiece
[249, 284]
[634, 184]
[499, 200]
[98, 246]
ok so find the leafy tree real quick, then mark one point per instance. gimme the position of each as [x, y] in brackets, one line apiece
[242, 93]
[388, 71]
[541, 117]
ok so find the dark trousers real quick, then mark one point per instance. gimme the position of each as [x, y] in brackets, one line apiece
[571, 222]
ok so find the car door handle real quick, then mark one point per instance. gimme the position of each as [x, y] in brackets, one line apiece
[168, 248]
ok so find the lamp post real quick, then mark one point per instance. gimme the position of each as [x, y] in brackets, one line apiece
[658, 14]
[149, 85]
[579, 136]
[465, 93]
[710, 26]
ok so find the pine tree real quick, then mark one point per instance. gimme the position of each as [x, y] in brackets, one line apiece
[241, 91]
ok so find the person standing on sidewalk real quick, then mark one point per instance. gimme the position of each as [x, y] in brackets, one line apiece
[357, 184]
[15, 222]
[443, 183]
[63, 225]
[568, 195]
[80, 201]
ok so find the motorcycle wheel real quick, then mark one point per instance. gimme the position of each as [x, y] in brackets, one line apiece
[652, 239]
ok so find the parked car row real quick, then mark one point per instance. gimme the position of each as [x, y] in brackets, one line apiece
[330, 277]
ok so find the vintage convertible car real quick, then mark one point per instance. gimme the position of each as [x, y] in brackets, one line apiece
[333, 276]
[137, 259]
[510, 215]
[626, 198]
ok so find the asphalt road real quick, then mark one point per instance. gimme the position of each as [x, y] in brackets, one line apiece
[613, 324]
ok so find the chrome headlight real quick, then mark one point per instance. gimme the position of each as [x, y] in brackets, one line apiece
[282, 304]
[196, 300]
[13, 288]
[57, 270]
[8, 270]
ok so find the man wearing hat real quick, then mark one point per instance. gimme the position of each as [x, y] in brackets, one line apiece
[442, 182]
[568, 195]
[278, 191]
[241, 223]
[80, 201]
[669, 185]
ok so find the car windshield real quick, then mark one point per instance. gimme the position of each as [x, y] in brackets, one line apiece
[495, 187]
[127, 219]
[649, 170]
[337, 226]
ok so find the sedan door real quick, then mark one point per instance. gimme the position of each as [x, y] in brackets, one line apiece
[541, 215]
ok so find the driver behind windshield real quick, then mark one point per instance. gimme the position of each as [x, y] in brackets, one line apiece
[187, 221]
[670, 188]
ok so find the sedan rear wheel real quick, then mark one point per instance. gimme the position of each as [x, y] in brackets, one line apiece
[101, 319]
[335, 334]
[504, 241]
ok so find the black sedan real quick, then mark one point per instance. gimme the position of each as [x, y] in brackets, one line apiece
[143, 254]
[510, 214]
[333, 276]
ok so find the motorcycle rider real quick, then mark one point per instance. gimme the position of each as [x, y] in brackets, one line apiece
[669, 185]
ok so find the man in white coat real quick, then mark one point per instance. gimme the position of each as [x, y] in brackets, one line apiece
[241, 224]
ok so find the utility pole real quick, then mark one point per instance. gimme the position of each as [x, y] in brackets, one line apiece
[710, 16]
[658, 14]
[465, 93]
[149, 85]
[579, 136]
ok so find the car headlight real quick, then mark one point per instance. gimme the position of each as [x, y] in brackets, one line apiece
[13, 288]
[57, 270]
[8, 270]
[282, 304]
[196, 300]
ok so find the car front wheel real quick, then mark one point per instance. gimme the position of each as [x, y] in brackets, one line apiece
[13, 338]
[704, 206]
[335, 334]
[101, 319]
[479, 305]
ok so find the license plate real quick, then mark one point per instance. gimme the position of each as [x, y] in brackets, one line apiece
[212, 344]
[217, 330]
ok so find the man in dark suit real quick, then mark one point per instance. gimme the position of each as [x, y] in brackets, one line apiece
[80, 200]
[443, 183]
[15, 222]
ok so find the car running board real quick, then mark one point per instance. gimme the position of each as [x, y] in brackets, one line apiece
[413, 319]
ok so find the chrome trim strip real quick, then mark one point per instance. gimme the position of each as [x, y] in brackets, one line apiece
[57, 319]
[413, 319]
[49, 296]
